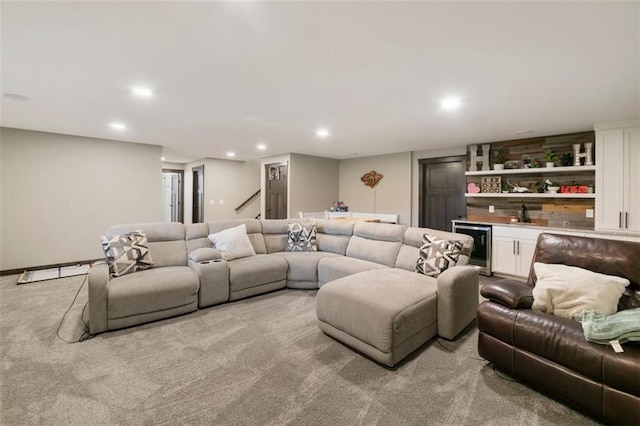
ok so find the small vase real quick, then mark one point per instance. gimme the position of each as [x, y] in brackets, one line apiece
[550, 164]
[498, 167]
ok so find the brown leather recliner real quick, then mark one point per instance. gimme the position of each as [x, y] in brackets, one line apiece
[550, 352]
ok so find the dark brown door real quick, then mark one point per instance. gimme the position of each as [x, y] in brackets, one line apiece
[442, 188]
[198, 194]
[276, 191]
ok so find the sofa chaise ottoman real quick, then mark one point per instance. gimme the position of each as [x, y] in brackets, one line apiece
[379, 313]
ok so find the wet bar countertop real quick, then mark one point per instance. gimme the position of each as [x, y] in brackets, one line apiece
[628, 234]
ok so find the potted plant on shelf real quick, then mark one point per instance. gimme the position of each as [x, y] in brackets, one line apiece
[550, 157]
[551, 187]
[498, 159]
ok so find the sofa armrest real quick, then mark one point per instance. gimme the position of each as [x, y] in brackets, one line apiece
[204, 254]
[509, 293]
[457, 300]
[214, 281]
[98, 293]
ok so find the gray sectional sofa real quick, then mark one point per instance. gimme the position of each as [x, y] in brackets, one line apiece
[190, 274]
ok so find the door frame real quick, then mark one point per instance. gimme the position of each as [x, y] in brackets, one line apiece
[181, 209]
[422, 181]
[194, 194]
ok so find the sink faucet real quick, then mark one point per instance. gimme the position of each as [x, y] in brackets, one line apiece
[523, 213]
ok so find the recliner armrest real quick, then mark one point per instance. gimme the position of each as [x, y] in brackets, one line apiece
[204, 254]
[457, 294]
[510, 293]
[214, 281]
[98, 281]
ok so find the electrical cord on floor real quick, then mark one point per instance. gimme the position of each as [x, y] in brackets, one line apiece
[82, 317]
[495, 371]
[448, 349]
[444, 346]
[86, 335]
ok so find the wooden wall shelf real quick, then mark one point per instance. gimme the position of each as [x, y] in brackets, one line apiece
[527, 195]
[539, 170]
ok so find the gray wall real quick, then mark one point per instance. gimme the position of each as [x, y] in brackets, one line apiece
[230, 181]
[60, 193]
[314, 183]
[391, 195]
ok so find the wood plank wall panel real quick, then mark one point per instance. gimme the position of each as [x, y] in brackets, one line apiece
[518, 149]
[557, 213]
[554, 212]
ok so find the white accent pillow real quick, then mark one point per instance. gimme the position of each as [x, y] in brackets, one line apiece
[566, 291]
[233, 243]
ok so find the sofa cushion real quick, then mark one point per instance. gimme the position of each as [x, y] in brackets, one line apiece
[276, 232]
[437, 255]
[376, 242]
[127, 253]
[333, 235]
[301, 237]
[233, 243]
[332, 268]
[197, 236]
[568, 290]
[166, 241]
[557, 339]
[255, 271]
[303, 266]
[152, 290]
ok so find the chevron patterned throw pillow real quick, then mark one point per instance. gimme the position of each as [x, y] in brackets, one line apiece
[127, 253]
[302, 237]
[437, 255]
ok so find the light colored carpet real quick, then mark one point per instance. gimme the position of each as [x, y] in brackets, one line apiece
[261, 361]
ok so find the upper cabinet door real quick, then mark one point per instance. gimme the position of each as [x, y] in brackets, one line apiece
[632, 182]
[609, 179]
[618, 179]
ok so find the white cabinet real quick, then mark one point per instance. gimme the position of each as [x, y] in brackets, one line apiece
[618, 177]
[513, 250]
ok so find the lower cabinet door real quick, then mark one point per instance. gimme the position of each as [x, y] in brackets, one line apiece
[525, 250]
[504, 255]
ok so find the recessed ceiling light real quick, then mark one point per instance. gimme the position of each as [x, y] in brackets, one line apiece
[117, 126]
[16, 97]
[141, 91]
[162, 158]
[261, 147]
[231, 154]
[450, 103]
[323, 133]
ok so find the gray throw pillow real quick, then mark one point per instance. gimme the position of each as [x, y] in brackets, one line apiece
[127, 253]
[437, 255]
[302, 237]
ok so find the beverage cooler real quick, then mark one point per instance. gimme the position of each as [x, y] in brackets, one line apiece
[481, 254]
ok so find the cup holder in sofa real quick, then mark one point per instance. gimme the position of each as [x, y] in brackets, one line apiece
[204, 262]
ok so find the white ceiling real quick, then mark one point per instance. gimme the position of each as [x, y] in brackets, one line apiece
[228, 75]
